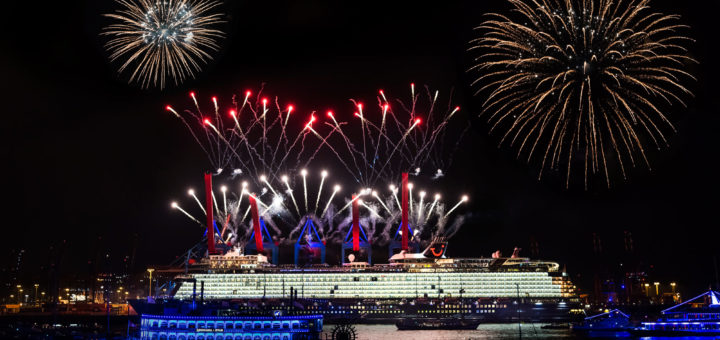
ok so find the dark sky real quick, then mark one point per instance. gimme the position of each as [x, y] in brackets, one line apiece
[85, 155]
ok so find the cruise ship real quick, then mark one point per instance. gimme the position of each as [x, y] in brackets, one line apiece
[426, 284]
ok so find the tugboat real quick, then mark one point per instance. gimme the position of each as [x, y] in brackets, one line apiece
[424, 323]
[699, 316]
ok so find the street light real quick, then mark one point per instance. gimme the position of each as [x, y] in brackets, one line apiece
[672, 284]
[36, 289]
[150, 270]
[647, 289]
[657, 288]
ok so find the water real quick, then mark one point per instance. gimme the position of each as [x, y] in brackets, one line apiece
[484, 331]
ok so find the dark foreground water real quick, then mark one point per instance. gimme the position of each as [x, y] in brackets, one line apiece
[21, 327]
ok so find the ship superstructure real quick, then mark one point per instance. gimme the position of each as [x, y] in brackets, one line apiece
[424, 275]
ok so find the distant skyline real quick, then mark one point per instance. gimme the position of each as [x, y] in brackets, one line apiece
[86, 155]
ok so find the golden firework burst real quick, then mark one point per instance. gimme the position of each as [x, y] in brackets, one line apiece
[581, 81]
[167, 38]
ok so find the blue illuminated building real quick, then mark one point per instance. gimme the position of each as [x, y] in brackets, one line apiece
[171, 327]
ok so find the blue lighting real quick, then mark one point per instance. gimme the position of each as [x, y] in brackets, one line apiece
[230, 327]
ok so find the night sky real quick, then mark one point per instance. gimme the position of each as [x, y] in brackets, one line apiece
[92, 160]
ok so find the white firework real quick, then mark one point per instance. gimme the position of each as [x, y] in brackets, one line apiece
[163, 38]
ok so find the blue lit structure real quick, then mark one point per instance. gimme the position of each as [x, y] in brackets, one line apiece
[181, 327]
[364, 244]
[220, 245]
[612, 321]
[699, 316]
[267, 242]
[396, 242]
[310, 230]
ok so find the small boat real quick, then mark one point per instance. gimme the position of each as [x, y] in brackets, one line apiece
[420, 323]
[699, 316]
[613, 323]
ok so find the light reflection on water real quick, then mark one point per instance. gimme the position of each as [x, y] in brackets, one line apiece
[485, 331]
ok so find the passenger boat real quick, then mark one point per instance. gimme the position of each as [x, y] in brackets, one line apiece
[699, 316]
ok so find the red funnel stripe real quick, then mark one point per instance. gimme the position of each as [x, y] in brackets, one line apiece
[355, 223]
[256, 224]
[405, 226]
[209, 210]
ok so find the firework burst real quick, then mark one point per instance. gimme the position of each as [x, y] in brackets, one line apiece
[169, 38]
[395, 136]
[252, 135]
[286, 204]
[582, 82]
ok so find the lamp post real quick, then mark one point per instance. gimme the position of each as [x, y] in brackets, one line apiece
[672, 284]
[657, 288]
[19, 288]
[647, 289]
[150, 270]
[36, 289]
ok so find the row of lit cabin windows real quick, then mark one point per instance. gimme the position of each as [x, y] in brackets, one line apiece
[346, 290]
[227, 325]
[370, 276]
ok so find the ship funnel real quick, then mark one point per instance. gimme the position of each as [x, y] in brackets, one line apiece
[256, 223]
[209, 213]
[404, 222]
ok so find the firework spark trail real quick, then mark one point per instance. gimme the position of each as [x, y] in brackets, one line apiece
[290, 192]
[217, 210]
[462, 200]
[410, 196]
[335, 191]
[303, 172]
[582, 81]
[394, 192]
[176, 206]
[263, 179]
[224, 189]
[420, 206]
[323, 174]
[258, 139]
[370, 209]
[430, 210]
[163, 39]
[191, 192]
